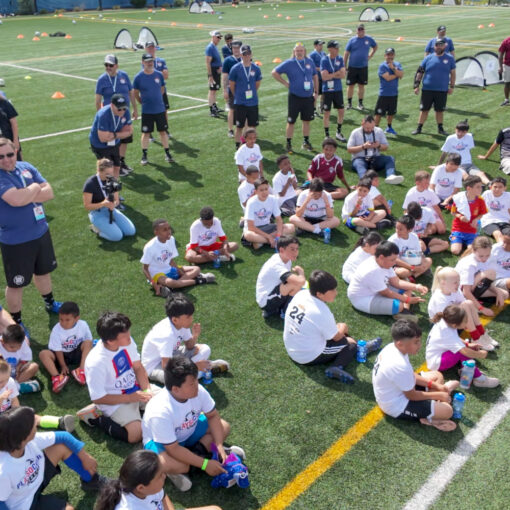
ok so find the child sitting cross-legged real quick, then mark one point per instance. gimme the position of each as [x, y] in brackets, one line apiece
[425, 227]
[364, 249]
[497, 220]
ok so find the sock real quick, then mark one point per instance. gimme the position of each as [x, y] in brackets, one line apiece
[167, 152]
[389, 125]
[316, 229]
[29, 387]
[48, 299]
[111, 428]
[439, 126]
[326, 132]
[122, 160]
[238, 144]
[16, 316]
[73, 462]
[211, 108]
[349, 100]
[480, 329]
[289, 141]
[144, 153]
[475, 334]
[339, 128]
[360, 101]
[306, 139]
[49, 422]
[420, 126]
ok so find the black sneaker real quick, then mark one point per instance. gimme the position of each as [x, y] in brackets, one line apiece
[96, 484]
[288, 148]
[340, 137]
[384, 224]
[317, 114]
[441, 131]
[169, 159]
[374, 345]
[120, 207]
[417, 131]
[307, 146]
[125, 169]
[214, 113]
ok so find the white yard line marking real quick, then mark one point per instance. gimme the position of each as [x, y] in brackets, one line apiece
[445, 473]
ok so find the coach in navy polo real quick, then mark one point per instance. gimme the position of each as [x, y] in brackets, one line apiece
[213, 64]
[441, 34]
[228, 64]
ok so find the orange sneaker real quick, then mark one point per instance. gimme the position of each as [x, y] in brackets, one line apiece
[58, 382]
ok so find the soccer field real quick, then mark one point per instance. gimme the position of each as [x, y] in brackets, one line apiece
[284, 415]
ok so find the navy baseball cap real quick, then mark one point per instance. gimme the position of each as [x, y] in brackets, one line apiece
[119, 101]
[147, 57]
[333, 44]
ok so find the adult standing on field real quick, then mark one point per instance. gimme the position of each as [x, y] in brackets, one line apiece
[228, 64]
[213, 64]
[504, 68]
[303, 85]
[438, 74]
[114, 81]
[226, 50]
[9, 123]
[25, 240]
[441, 34]
[317, 55]
[358, 51]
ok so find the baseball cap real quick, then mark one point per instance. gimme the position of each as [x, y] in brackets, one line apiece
[237, 44]
[146, 57]
[119, 101]
[361, 26]
[245, 49]
[440, 28]
[440, 40]
[389, 50]
[150, 43]
[333, 44]
[215, 33]
[111, 59]
[318, 41]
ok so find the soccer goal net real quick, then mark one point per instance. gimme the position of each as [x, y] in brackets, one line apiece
[146, 35]
[469, 71]
[490, 64]
[378, 14]
[200, 8]
[123, 40]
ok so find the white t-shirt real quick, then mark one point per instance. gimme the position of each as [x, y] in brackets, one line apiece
[244, 192]
[445, 181]
[24, 353]
[261, 211]
[204, 236]
[309, 324]
[159, 255]
[161, 342]
[392, 375]
[461, 146]
[269, 277]
[468, 267]
[354, 260]
[314, 208]
[427, 217]
[350, 201]
[426, 198]
[111, 373]
[128, 501]
[497, 208]
[6, 404]
[441, 338]
[439, 301]
[374, 192]
[246, 157]
[166, 420]
[369, 279]
[67, 340]
[502, 259]
[279, 182]
[21, 477]
[404, 245]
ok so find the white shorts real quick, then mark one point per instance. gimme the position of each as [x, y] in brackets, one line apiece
[500, 283]
[505, 165]
[376, 305]
[506, 73]
[127, 413]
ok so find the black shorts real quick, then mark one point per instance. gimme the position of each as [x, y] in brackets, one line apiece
[216, 76]
[47, 502]
[335, 98]
[72, 358]
[21, 261]
[243, 113]
[320, 82]
[416, 409]
[275, 301]
[357, 75]
[230, 101]
[300, 106]
[149, 119]
[111, 153]
[426, 240]
[433, 97]
[489, 229]
[386, 105]
[314, 220]
[164, 96]
[127, 140]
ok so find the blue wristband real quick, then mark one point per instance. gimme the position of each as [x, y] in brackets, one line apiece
[67, 439]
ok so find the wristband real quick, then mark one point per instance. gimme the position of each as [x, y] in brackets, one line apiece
[147, 390]
[429, 385]
[480, 307]
[408, 299]
[413, 268]
[204, 465]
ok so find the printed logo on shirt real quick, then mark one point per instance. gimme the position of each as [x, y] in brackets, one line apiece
[71, 342]
[445, 61]
[208, 235]
[31, 471]
[331, 170]
[189, 421]
[156, 503]
[459, 146]
[26, 173]
[262, 214]
[164, 256]
[5, 405]
[445, 182]
[308, 66]
[126, 378]
[314, 207]
[156, 80]
[504, 264]
[253, 158]
[122, 80]
[496, 205]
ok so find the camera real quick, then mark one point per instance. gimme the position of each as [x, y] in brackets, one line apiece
[111, 186]
[369, 160]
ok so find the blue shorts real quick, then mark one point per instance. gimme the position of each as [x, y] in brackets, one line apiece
[462, 238]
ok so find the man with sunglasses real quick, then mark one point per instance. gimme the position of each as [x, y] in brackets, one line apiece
[358, 51]
[115, 81]
[213, 65]
[25, 239]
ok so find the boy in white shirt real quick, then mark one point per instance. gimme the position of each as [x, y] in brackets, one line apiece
[501, 255]
[446, 179]
[278, 281]
[174, 335]
[377, 197]
[249, 154]
[310, 333]
[424, 227]
[315, 210]
[400, 392]
[258, 228]
[181, 422]
[497, 220]
[206, 238]
[70, 343]
[117, 381]
[285, 185]
[159, 266]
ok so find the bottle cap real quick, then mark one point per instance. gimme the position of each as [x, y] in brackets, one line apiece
[460, 397]
[469, 363]
[362, 342]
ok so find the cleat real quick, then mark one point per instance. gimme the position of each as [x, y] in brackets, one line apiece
[228, 258]
[417, 131]
[390, 131]
[407, 315]
[29, 387]
[144, 161]
[66, 422]
[360, 107]
[79, 376]
[58, 382]
[394, 179]
[288, 148]
[441, 131]
[340, 137]
[307, 146]
[340, 374]
[169, 159]
[88, 413]
[230, 133]
[203, 278]
[349, 106]
[164, 292]
[219, 366]
[506, 102]
[374, 345]
[54, 307]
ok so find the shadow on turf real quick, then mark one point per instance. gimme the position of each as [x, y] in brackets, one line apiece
[145, 185]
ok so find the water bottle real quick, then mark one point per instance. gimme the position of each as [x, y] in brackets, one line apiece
[282, 314]
[466, 376]
[276, 239]
[217, 260]
[207, 378]
[459, 399]
[390, 203]
[479, 227]
[361, 355]
[327, 235]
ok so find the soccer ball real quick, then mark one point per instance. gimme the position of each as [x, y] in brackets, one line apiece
[2, 82]
[37, 34]
[74, 22]
[220, 17]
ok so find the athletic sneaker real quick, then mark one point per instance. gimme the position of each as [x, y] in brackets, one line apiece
[29, 387]
[90, 412]
[374, 345]
[349, 106]
[54, 307]
[407, 315]
[237, 450]
[340, 137]
[288, 148]
[317, 114]
[230, 133]
[219, 366]
[79, 375]
[125, 169]
[485, 382]
[182, 482]
[340, 374]
[216, 115]
[307, 146]
[390, 131]
[257, 246]
[417, 131]
[205, 278]
[217, 109]
[94, 229]
[227, 258]
[360, 107]
[384, 224]
[144, 161]
[441, 131]
[169, 159]
[58, 382]
[66, 422]
[491, 340]
[394, 179]
[506, 102]
[164, 292]
[96, 484]
[485, 342]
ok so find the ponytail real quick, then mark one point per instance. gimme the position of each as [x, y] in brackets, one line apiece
[109, 497]
[453, 315]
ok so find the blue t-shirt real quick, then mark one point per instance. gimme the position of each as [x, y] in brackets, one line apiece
[300, 74]
[105, 120]
[449, 47]
[149, 86]
[212, 51]
[19, 224]
[437, 72]
[317, 56]
[226, 51]
[245, 79]
[359, 48]
[229, 63]
[106, 86]
[332, 66]
[388, 88]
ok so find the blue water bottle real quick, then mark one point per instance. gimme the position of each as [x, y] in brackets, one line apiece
[361, 354]
[327, 235]
[217, 260]
[390, 203]
[467, 373]
[276, 239]
[459, 399]
[207, 377]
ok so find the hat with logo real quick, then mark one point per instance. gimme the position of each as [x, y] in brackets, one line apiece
[146, 57]
[111, 59]
[389, 50]
[245, 49]
[119, 101]
[215, 33]
[318, 41]
[333, 44]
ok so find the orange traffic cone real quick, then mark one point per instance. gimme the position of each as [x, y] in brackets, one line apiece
[258, 62]
[35, 38]
[58, 95]
[67, 37]
[20, 36]
[276, 60]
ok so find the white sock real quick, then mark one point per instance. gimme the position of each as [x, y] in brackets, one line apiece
[316, 229]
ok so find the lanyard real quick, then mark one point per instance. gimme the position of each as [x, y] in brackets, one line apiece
[100, 182]
[16, 173]
[247, 74]
[332, 64]
[114, 83]
[115, 124]
[365, 139]
[301, 67]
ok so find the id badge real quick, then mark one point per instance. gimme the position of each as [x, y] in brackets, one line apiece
[111, 143]
[331, 84]
[307, 85]
[249, 94]
[39, 213]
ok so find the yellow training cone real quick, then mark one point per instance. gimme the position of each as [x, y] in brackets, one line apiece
[276, 60]
[58, 95]
[28, 77]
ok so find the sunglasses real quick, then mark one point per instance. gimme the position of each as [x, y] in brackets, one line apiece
[361, 29]
[109, 65]
[8, 155]
[122, 108]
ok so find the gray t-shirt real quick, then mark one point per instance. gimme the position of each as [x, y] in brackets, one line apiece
[503, 139]
[358, 137]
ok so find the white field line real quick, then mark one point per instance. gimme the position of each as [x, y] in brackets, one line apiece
[445, 473]
[50, 135]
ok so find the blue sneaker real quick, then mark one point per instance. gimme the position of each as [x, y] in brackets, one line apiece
[374, 345]
[54, 307]
[340, 374]
[390, 130]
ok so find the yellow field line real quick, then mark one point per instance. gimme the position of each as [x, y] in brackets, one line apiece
[338, 449]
